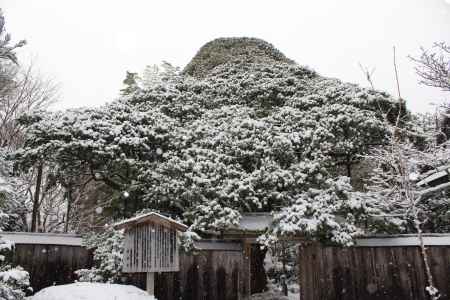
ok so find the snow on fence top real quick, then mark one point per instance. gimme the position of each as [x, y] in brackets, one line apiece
[42, 238]
[403, 240]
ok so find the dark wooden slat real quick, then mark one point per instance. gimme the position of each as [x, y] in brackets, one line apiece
[372, 273]
[49, 264]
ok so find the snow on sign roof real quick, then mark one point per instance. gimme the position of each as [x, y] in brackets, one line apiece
[42, 238]
[151, 217]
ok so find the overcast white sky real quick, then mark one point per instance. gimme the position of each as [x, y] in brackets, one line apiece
[88, 45]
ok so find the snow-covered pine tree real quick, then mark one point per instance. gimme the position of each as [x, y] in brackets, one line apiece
[246, 135]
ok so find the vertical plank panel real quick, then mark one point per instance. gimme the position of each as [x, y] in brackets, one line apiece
[48, 264]
[381, 273]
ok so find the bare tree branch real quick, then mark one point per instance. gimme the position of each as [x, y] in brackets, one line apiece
[25, 90]
[433, 66]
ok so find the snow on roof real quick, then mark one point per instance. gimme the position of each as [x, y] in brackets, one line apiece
[42, 238]
[151, 216]
[255, 222]
[403, 240]
[442, 171]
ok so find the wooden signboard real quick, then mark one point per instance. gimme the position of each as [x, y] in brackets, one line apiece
[151, 245]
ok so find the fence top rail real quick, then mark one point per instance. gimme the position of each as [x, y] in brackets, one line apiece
[61, 239]
[367, 236]
[217, 245]
[433, 239]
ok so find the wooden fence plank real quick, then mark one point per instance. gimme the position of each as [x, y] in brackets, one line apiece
[205, 274]
[372, 273]
[51, 264]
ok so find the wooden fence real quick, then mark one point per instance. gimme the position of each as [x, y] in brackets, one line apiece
[51, 259]
[375, 268]
[217, 271]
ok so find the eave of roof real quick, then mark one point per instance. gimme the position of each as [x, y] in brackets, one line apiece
[441, 172]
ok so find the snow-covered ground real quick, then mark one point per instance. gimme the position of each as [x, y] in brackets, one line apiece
[274, 295]
[269, 295]
[94, 291]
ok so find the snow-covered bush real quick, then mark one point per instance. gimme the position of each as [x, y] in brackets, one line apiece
[187, 240]
[281, 266]
[14, 202]
[13, 283]
[108, 257]
[13, 280]
[328, 214]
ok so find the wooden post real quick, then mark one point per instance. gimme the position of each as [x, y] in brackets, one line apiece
[248, 269]
[151, 284]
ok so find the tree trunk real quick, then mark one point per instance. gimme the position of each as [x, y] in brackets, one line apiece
[431, 288]
[69, 207]
[37, 194]
[23, 217]
[348, 165]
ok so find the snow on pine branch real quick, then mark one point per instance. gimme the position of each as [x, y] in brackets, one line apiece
[246, 137]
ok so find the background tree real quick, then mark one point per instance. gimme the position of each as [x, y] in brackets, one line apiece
[26, 91]
[394, 190]
[130, 83]
[394, 194]
[13, 281]
[22, 90]
[433, 69]
[7, 51]
[432, 66]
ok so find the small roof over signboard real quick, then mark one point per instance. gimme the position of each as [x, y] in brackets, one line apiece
[151, 217]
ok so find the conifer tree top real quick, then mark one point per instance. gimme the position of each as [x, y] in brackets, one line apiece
[233, 50]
